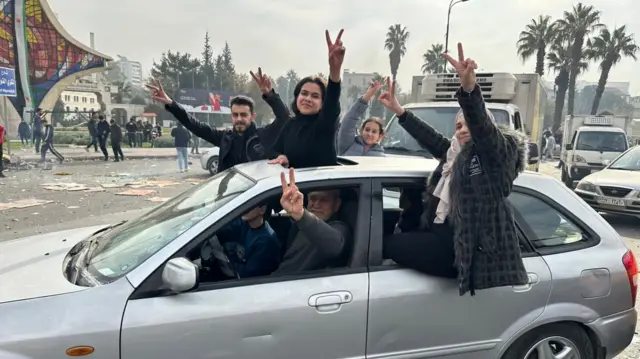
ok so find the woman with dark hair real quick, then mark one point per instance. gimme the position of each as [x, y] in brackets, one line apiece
[367, 143]
[308, 140]
[467, 226]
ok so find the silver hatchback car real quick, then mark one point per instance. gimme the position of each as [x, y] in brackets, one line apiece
[135, 290]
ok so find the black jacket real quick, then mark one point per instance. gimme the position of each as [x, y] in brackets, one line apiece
[103, 128]
[91, 125]
[486, 241]
[257, 147]
[310, 141]
[131, 127]
[181, 136]
[23, 129]
[116, 133]
[48, 134]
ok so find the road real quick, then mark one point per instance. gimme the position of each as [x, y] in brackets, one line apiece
[98, 202]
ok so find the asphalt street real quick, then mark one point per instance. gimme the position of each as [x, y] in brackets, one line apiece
[90, 193]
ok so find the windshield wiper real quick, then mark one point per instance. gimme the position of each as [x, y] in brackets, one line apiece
[421, 152]
[95, 239]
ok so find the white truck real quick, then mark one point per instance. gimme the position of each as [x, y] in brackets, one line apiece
[516, 101]
[589, 143]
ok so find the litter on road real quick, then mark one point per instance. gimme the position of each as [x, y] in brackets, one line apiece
[136, 192]
[70, 187]
[158, 199]
[23, 203]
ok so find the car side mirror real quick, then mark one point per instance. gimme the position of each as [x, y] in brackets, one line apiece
[568, 146]
[180, 275]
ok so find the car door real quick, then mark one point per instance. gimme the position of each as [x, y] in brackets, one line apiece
[320, 314]
[420, 316]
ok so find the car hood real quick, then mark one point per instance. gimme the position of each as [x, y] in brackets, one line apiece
[609, 177]
[31, 267]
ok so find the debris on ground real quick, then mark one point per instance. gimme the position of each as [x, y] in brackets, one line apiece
[158, 199]
[195, 180]
[23, 203]
[70, 187]
[63, 173]
[136, 192]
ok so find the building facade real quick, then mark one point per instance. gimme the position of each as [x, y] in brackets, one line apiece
[131, 71]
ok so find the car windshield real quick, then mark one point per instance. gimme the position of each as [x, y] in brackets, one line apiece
[127, 246]
[441, 118]
[629, 161]
[602, 141]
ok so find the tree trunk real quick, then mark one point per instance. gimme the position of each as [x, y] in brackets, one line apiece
[394, 63]
[563, 79]
[576, 56]
[602, 82]
[540, 55]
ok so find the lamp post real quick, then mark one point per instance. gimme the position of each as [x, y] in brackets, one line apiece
[446, 41]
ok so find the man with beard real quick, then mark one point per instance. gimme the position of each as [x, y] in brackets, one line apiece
[244, 143]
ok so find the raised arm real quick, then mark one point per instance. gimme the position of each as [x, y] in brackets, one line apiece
[330, 114]
[280, 110]
[198, 128]
[349, 124]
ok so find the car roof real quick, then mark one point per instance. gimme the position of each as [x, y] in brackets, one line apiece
[366, 167]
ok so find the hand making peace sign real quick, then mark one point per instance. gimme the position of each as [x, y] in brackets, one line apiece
[336, 51]
[465, 69]
[389, 100]
[158, 94]
[262, 80]
[374, 87]
[292, 200]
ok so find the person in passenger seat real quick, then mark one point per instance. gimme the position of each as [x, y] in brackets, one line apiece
[317, 239]
[251, 245]
[468, 228]
[411, 205]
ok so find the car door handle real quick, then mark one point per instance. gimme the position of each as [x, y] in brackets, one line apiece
[532, 279]
[330, 301]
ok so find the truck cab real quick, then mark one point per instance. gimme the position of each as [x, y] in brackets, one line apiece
[440, 108]
[590, 143]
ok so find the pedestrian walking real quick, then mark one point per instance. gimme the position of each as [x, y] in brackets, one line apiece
[181, 139]
[139, 133]
[103, 129]
[93, 134]
[116, 141]
[37, 129]
[2, 134]
[131, 128]
[47, 144]
[195, 149]
[24, 132]
[549, 147]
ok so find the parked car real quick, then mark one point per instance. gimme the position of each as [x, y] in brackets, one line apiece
[616, 188]
[137, 289]
[209, 160]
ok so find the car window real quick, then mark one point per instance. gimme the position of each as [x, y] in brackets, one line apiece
[549, 226]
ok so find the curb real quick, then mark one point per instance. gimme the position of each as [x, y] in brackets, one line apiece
[76, 160]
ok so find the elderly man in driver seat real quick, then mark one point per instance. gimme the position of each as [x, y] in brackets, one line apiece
[318, 238]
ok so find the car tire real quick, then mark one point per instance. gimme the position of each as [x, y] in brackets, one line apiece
[557, 336]
[566, 179]
[212, 165]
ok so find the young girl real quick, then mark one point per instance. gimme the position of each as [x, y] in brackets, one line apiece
[308, 139]
[371, 130]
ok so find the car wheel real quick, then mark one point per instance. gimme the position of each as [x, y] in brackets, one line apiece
[212, 165]
[566, 179]
[551, 342]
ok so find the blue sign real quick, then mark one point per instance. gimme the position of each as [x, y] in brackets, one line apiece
[8, 82]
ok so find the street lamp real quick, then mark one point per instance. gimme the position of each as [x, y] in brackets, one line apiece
[446, 41]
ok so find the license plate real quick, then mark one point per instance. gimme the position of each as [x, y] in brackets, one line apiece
[611, 201]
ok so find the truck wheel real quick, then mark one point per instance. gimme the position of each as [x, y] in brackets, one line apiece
[554, 339]
[566, 178]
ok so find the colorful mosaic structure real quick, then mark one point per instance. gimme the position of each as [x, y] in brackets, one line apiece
[33, 43]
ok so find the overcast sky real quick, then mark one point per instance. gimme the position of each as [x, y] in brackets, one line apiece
[283, 34]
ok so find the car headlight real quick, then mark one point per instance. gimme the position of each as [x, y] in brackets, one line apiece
[586, 186]
[578, 159]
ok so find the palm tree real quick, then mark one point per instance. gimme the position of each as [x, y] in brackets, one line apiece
[432, 60]
[609, 48]
[396, 43]
[560, 61]
[578, 24]
[535, 39]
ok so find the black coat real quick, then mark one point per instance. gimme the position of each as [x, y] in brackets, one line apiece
[116, 134]
[486, 242]
[259, 144]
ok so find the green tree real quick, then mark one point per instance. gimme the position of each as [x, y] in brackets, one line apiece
[609, 48]
[559, 61]
[611, 101]
[57, 115]
[207, 70]
[176, 70]
[242, 83]
[535, 39]
[577, 25]
[124, 92]
[225, 70]
[396, 44]
[138, 100]
[432, 60]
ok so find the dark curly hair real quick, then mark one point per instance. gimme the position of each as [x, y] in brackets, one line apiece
[316, 80]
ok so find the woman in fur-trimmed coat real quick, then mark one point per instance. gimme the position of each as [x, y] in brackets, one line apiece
[468, 227]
